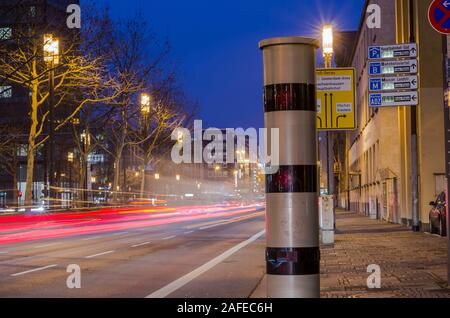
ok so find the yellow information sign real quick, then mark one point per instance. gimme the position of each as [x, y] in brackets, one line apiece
[336, 99]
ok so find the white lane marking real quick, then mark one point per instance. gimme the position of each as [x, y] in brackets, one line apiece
[235, 220]
[99, 254]
[141, 244]
[169, 289]
[189, 232]
[168, 238]
[103, 236]
[2, 253]
[48, 245]
[33, 270]
[119, 233]
[91, 238]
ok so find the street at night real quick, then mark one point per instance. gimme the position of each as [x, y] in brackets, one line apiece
[132, 252]
[220, 157]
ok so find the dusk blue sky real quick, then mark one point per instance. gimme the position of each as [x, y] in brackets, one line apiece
[215, 45]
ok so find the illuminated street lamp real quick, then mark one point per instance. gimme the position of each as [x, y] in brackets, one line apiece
[146, 103]
[178, 177]
[327, 45]
[157, 176]
[51, 49]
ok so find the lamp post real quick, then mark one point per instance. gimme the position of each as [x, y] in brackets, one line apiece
[70, 158]
[51, 58]
[327, 49]
[146, 104]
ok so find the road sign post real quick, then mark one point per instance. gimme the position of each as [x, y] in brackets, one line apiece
[393, 79]
[336, 99]
[293, 253]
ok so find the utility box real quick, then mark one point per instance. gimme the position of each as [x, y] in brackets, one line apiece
[326, 213]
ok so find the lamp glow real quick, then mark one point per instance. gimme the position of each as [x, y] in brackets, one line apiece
[51, 49]
[146, 101]
[327, 40]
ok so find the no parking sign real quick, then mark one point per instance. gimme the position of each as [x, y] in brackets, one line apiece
[439, 15]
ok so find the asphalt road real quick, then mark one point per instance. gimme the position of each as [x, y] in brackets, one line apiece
[214, 251]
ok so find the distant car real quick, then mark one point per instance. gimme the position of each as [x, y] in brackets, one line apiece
[438, 220]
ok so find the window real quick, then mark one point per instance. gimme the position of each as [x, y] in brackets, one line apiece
[5, 33]
[5, 92]
[22, 150]
[32, 11]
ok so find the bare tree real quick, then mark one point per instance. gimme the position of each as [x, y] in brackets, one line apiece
[22, 64]
[139, 59]
[152, 132]
[10, 137]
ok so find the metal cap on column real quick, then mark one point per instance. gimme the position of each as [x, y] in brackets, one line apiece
[293, 253]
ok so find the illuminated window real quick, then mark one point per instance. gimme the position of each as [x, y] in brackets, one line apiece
[22, 150]
[5, 91]
[5, 33]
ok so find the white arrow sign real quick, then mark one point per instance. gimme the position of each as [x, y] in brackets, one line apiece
[393, 67]
[393, 83]
[394, 99]
[393, 51]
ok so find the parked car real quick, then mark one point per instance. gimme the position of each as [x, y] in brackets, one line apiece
[438, 220]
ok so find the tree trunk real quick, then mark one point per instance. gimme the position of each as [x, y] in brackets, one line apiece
[82, 196]
[116, 176]
[142, 182]
[29, 180]
[15, 194]
[30, 158]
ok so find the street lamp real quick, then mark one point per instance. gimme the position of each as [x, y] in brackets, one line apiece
[51, 58]
[178, 177]
[51, 49]
[146, 103]
[327, 45]
[157, 176]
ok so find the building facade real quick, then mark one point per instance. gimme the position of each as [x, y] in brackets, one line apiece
[378, 163]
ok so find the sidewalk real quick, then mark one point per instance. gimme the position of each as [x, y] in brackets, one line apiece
[413, 265]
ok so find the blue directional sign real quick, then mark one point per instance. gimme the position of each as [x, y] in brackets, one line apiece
[393, 83]
[375, 84]
[375, 69]
[393, 75]
[375, 52]
[408, 50]
[396, 67]
[396, 99]
[375, 100]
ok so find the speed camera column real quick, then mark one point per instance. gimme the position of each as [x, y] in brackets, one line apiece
[293, 253]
